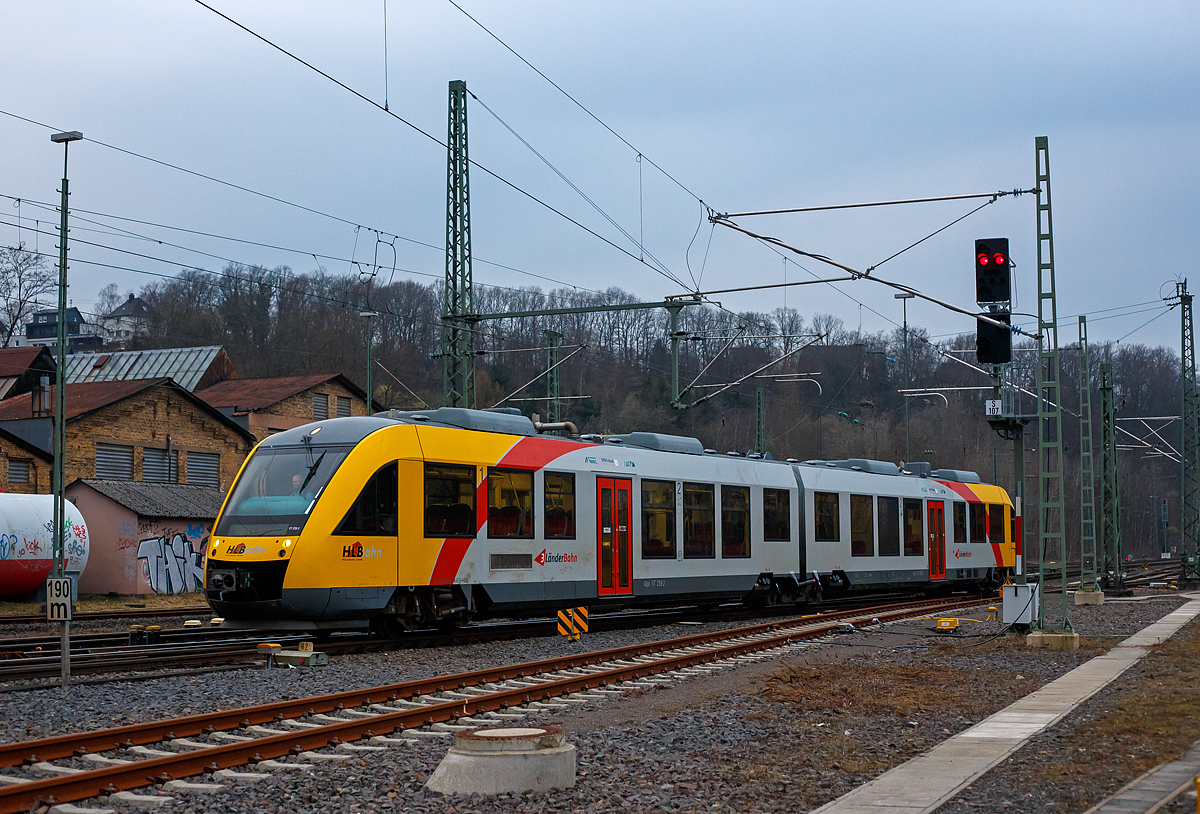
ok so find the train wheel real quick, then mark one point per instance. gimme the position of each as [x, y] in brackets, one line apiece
[390, 627]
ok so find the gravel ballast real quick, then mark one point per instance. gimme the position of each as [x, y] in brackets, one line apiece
[785, 734]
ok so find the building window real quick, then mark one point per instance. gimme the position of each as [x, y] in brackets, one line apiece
[449, 500]
[160, 465]
[559, 507]
[343, 406]
[114, 462]
[828, 513]
[914, 528]
[375, 511]
[735, 521]
[320, 406]
[204, 469]
[18, 470]
[862, 526]
[698, 521]
[777, 515]
[658, 519]
[510, 504]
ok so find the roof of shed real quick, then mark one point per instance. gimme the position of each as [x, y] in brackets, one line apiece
[186, 366]
[250, 395]
[161, 499]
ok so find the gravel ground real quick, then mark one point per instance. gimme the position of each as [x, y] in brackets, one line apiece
[786, 734]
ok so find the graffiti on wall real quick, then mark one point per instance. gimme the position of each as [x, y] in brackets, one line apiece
[172, 558]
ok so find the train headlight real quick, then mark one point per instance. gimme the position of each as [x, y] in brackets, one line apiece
[287, 543]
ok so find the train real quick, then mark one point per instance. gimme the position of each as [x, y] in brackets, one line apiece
[431, 518]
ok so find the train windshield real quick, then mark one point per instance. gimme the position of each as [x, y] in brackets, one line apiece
[278, 490]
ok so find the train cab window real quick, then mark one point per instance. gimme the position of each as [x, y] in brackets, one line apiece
[449, 500]
[888, 510]
[995, 522]
[375, 511]
[978, 523]
[777, 515]
[829, 517]
[914, 528]
[277, 490]
[559, 518]
[960, 523]
[510, 504]
[862, 526]
[735, 521]
[698, 521]
[658, 519]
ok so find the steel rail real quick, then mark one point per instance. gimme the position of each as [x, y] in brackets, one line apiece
[141, 613]
[20, 797]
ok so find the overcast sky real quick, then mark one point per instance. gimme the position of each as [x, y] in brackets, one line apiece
[748, 106]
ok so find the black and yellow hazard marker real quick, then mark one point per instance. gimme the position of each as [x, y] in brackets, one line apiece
[572, 623]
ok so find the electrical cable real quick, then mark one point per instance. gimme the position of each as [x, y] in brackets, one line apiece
[573, 99]
[427, 135]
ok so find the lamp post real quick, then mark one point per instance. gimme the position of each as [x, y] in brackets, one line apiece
[904, 297]
[60, 407]
[369, 315]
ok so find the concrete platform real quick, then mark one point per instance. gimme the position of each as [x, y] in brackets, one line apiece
[926, 782]
[1155, 788]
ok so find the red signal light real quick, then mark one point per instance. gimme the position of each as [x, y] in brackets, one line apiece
[999, 259]
[982, 260]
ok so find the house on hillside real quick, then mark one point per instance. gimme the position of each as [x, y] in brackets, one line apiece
[267, 406]
[127, 321]
[190, 368]
[23, 370]
[42, 329]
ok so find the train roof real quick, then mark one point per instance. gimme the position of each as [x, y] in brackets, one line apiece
[510, 421]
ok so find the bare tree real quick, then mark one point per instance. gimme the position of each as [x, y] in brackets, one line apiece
[24, 278]
[108, 299]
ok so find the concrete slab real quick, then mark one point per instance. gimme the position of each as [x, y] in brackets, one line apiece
[321, 757]
[67, 808]
[146, 751]
[1053, 641]
[185, 785]
[922, 784]
[384, 740]
[506, 759]
[105, 761]
[1155, 788]
[184, 743]
[9, 780]
[1089, 597]
[281, 766]
[43, 767]
[141, 800]
[239, 777]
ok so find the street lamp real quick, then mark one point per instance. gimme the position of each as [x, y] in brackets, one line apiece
[904, 297]
[60, 405]
[369, 315]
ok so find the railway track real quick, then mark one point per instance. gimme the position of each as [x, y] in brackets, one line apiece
[95, 616]
[354, 722]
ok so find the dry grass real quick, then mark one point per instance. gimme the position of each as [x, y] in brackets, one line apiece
[98, 603]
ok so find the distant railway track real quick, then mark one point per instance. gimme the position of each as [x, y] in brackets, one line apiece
[219, 741]
[132, 613]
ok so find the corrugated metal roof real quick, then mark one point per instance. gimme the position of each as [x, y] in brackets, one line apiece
[162, 499]
[248, 395]
[186, 366]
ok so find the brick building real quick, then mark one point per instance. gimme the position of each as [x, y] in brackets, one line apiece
[23, 370]
[266, 406]
[149, 430]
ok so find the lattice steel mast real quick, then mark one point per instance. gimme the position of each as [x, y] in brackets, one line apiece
[1110, 489]
[1052, 609]
[1190, 414]
[458, 335]
[553, 393]
[1087, 476]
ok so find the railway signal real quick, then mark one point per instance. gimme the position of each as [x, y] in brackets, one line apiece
[993, 344]
[992, 276]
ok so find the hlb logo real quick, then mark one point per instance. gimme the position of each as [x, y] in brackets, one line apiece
[240, 548]
[358, 552]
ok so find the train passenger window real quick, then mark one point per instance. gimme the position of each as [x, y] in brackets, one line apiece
[658, 519]
[698, 521]
[862, 526]
[449, 500]
[735, 521]
[375, 510]
[960, 523]
[777, 515]
[995, 522]
[914, 528]
[829, 518]
[559, 518]
[978, 523]
[510, 504]
[889, 526]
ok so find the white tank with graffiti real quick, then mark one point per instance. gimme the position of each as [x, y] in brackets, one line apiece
[27, 542]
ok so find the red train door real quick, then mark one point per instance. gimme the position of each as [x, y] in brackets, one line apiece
[612, 535]
[937, 539]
